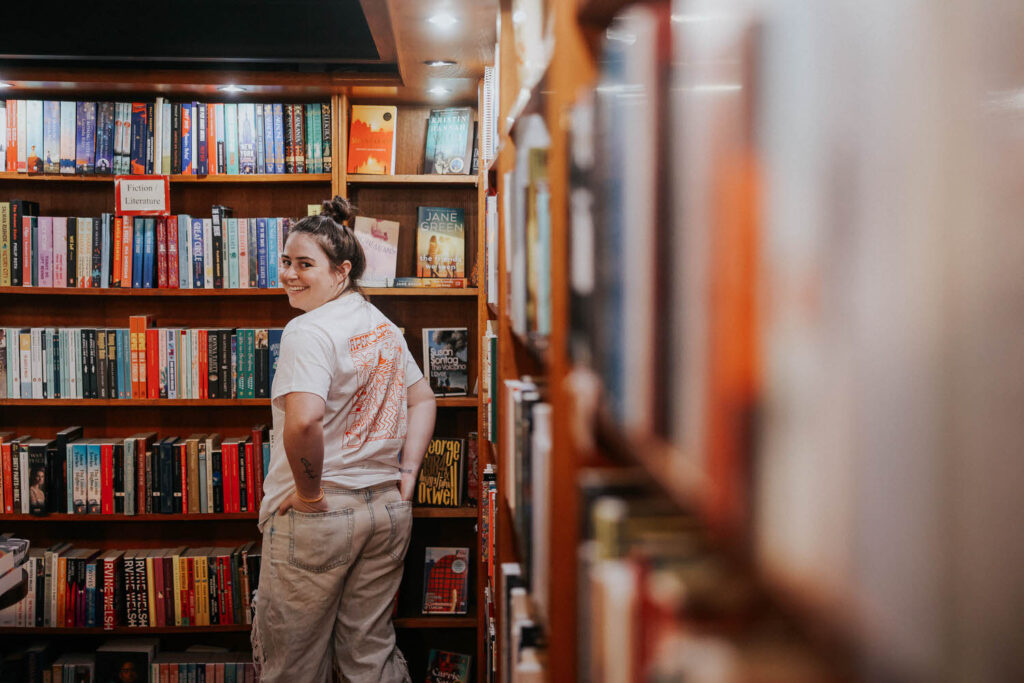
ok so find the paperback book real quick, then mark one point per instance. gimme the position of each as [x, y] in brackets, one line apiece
[448, 667]
[371, 146]
[449, 145]
[440, 482]
[379, 240]
[445, 580]
[445, 354]
[440, 242]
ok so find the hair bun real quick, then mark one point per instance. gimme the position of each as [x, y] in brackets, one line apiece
[339, 209]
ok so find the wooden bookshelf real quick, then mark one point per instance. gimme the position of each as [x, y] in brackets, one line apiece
[442, 402]
[178, 178]
[425, 512]
[435, 622]
[469, 292]
[124, 630]
[412, 179]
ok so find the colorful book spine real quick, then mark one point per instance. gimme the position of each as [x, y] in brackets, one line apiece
[187, 163]
[231, 137]
[202, 161]
[138, 140]
[67, 137]
[104, 138]
[51, 137]
[279, 153]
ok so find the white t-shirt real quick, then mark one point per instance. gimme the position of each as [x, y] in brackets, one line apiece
[350, 355]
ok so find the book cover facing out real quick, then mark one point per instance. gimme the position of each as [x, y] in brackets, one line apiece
[445, 354]
[448, 667]
[449, 145]
[441, 474]
[445, 580]
[379, 240]
[371, 146]
[440, 242]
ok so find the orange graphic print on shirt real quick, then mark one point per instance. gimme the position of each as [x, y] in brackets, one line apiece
[379, 409]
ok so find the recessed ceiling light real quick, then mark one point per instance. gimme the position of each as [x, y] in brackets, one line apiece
[443, 20]
[231, 88]
[440, 62]
[438, 90]
[6, 85]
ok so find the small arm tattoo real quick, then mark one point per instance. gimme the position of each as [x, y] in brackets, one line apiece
[406, 470]
[308, 466]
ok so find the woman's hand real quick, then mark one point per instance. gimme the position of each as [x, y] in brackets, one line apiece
[407, 485]
[293, 501]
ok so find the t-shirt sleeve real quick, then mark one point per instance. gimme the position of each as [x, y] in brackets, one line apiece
[413, 373]
[306, 363]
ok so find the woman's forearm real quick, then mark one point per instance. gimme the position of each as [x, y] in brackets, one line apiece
[304, 447]
[417, 437]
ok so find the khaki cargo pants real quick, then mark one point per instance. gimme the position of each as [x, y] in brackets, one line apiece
[326, 588]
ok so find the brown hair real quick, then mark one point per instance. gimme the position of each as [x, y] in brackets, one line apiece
[336, 238]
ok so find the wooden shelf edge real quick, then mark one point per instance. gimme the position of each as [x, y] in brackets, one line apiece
[119, 518]
[249, 178]
[421, 291]
[121, 630]
[452, 402]
[412, 179]
[445, 513]
[435, 622]
[129, 291]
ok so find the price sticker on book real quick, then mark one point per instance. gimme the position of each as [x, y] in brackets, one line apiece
[142, 195]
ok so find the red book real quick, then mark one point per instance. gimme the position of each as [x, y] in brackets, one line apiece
[152, 362]
[229, 601]
[229, 481]
[5, 457]
[204, 371]
[172, 252]
[115, 271]
[250, 485]
[183, 447]
[107, 479]
[12, 136]
[226, 617]
[190, 584]
[211, 137]
[127, 233]
[161, 252]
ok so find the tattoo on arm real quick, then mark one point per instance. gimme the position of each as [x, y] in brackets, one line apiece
[308, 466]
[406, 470]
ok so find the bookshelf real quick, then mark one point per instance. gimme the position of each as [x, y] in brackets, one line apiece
[388, 197]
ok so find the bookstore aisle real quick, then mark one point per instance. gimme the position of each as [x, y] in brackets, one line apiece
[719, 300]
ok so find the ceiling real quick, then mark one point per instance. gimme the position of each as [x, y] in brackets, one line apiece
[364, 48]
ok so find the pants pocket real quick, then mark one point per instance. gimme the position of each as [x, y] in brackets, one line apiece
[320, 541]
[400, 513]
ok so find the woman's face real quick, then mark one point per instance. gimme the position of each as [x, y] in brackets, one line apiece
[307, 275]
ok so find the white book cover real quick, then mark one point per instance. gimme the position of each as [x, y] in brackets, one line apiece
[243, 252]
[158, 136]
[379, 239]
[44, 258]
[208, 253]
[25, 347]
[165, 147]
[22, 136]
[184, 251]
[84, 232]
[60, 251]
[67, 137]
[231, 228]
[37, 363]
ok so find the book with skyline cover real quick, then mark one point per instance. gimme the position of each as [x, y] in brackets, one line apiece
[371, 145]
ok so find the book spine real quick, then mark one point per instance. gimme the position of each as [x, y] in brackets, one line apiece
[187, 162]
[288, 127]
[327, 137]
[261, 149]
[261, 252]
[150, 147]
[202, 161]
[217, 225]
[279, 139]
[148, 252]
[161, 253]
[231, 136]
[138, 142]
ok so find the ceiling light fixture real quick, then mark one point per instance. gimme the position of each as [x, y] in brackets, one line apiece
[443, 20]
[438, 90]
[231, 88]
[6, 85]
[440, 62]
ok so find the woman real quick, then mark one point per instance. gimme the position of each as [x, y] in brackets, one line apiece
[353, 417]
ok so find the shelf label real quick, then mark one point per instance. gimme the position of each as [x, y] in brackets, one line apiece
[142, 195]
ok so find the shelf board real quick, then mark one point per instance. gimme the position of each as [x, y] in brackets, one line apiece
[123, 630]
[118, 518]
[419, 179]
[444, 513]
[435, 622]
[250, 178]
[128, 291]
[452, 402]
[421, 291]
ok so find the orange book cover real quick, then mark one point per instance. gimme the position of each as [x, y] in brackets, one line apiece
[211, 137]
[371, 140]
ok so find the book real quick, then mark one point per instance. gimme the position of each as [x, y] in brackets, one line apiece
[445, 355]
[125, 659]
[371, 145]
[13, 552]
[448, 667]
[440, 242]
[449, 143]
[379, 239]
[445, 580]
[441, 475]
[435, 282]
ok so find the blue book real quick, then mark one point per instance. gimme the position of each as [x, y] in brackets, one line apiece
[231, 136]
[138, 246]
[105, 138]
[34, 135]
[119, 355]
[252, 256]
[261, 160]
[272, 255]
[51, 137]
[268, 137]
[231, 225]
[202, 160]
[274, 340]
[90, 594]
[266, 460]
[198, 263]
[148, 252]
[278, 138]
[184, 238]
[105, 246]
[139, 142]
[261, 252]
[186, 139]
[93, 479]
[67, 137]
[126, 362]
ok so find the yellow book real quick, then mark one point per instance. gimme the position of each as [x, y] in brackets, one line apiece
[176, 573]
[151, 587]
[201, 585]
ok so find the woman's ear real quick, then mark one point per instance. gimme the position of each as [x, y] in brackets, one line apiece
[344, 268]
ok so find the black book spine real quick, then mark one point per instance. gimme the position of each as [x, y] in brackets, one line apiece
[36, 463]
[175, 138]
[225, 363]
[289, 141]
[33, 237]
[213, 362]
[253, 257]
[150, 121]
[166, 478]
[243, 495]
[119, 488]
[97, 251]
[218, 248]
[218, 479]
[112, 364]
[236, 587]
[176, 492]
[55, 343]
[261, 354]
[152, 480]
[214, 587]
[101, 363]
